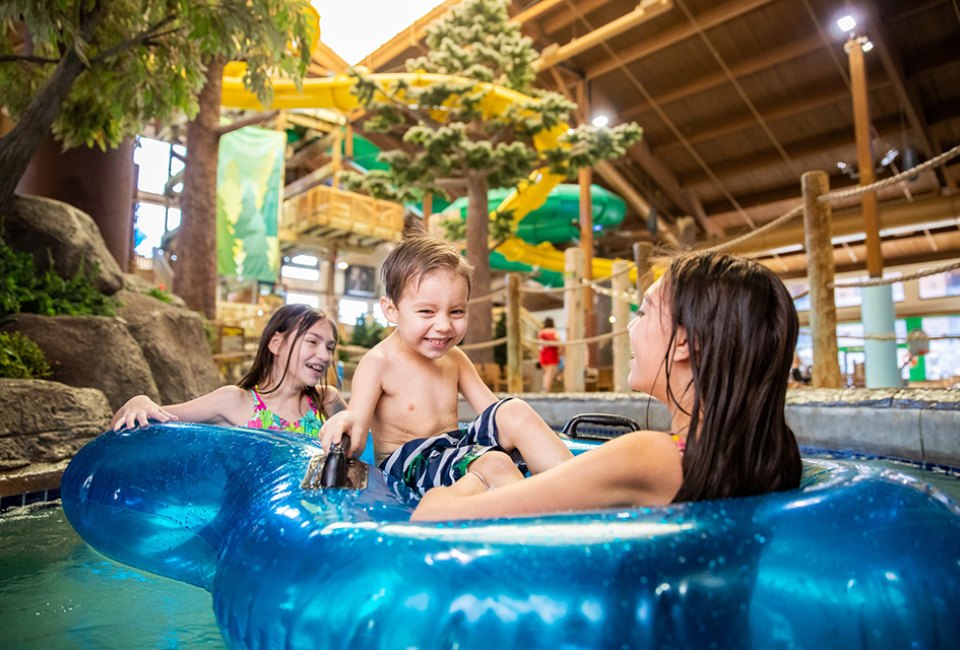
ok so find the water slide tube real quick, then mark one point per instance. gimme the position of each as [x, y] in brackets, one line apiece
[857, 558]
[556, 221]
[335, 93]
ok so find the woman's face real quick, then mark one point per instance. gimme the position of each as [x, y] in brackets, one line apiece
[649, 339]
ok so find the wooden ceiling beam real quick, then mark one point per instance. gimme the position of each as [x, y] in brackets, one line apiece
[906, 89]
[769, 59]
[644, 11]
[536, 10]
[707, 20]
[575, 10]
[809, 102]
[409, 37]
[752, 162]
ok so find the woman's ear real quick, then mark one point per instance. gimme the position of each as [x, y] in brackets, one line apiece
[389, 309]
[681, 345]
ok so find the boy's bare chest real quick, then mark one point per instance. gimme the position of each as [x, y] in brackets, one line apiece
[421, 401]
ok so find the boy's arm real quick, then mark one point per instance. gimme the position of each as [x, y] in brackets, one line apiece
[214, 407]
[365, 391]
[471, 386]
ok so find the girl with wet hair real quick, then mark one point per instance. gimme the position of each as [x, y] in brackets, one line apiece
[285, 389]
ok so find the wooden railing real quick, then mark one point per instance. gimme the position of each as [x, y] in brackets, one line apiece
[326, 213]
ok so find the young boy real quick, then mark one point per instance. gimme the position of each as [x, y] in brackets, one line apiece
[406, 388]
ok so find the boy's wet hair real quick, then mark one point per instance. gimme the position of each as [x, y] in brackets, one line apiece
[289, 320]
[415, 258]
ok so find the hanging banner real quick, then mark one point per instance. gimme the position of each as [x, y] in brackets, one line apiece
[249, 198]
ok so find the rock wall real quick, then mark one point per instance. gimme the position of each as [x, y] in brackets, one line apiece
[42, 425]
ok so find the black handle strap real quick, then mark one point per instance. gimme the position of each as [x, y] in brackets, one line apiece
[600, 419]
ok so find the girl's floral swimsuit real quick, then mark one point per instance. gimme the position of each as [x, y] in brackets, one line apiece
[264, 418]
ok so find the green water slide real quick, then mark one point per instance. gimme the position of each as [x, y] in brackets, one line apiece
[556, 221]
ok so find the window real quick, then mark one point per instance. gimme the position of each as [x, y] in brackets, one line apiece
[940, 285]
[294, 298]
[351, 310]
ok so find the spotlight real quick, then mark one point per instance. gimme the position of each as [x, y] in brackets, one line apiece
[847, 23]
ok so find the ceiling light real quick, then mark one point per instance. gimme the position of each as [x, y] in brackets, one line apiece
[847, 23]
[601, 121]
[342, 265]
[867, 46]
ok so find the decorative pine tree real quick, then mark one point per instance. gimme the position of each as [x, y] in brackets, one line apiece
[450, 143]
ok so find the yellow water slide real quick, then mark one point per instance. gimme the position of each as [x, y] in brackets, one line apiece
[335, 93]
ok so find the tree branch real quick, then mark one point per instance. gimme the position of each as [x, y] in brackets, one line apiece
[143, 37]
[247, 121]
[9, 58]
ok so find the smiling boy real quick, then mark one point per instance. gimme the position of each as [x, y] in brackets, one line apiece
[405, 390]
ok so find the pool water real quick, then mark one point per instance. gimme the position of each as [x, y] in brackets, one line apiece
[56, 593]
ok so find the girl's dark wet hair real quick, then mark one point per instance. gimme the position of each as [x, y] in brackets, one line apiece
[289, 320]
[741, 327]
[548, 322]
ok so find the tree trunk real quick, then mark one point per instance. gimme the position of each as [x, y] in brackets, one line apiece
[196, 266]
[19, 145]
[479, 327]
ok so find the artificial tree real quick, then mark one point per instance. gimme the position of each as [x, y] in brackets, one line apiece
[449, 143]
[96, 71]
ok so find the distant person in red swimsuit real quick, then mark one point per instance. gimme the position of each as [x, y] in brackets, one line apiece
[549, 354]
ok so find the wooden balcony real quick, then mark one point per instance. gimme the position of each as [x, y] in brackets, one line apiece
[324, 216]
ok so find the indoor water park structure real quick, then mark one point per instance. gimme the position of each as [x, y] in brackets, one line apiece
[173, 173]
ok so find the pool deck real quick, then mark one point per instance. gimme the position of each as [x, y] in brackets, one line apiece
[921, 425]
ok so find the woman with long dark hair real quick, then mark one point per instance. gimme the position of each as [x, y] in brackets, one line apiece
[714, 340]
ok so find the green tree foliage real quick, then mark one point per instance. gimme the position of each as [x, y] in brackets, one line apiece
[25, 290]
[96, 71]
[457, 144]
[21, 358]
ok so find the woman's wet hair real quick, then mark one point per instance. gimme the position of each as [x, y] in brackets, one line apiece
[288, 320]
[741, 327]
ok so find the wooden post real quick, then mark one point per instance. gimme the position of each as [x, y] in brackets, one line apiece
[337, 157]
[574, 356]
[621, 316]
[333, 303]
[514, 335]
[820, 274]
[427, 209]
[585, 176]
[642, 254]
[861, 125]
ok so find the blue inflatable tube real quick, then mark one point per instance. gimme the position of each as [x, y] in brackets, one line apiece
[857, 558]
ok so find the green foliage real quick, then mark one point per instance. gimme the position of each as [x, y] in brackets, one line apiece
[366, 335]
[499, 331]
[21, 358]
[145, 58]
[160, 294]
[475, 41]
[23, 289]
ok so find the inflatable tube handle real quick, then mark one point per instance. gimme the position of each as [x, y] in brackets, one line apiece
[334, 474]
[601, 419]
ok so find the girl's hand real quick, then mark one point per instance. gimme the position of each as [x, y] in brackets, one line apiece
[138, 411]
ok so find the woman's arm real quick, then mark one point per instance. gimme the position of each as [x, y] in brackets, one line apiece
[638, 469]
[221, 406]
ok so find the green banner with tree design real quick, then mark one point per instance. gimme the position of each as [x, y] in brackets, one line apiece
[249, 199]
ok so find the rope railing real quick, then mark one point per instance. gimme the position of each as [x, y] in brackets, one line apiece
[487, 298]
[837, 195]
[483, 345]
[589, 339]
[877, 282]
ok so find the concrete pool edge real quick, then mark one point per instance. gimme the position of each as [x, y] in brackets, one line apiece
[921, 425]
